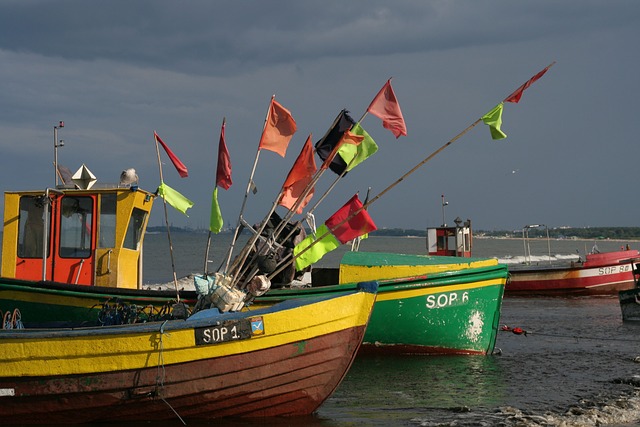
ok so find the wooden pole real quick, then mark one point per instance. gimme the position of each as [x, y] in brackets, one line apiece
[166, 220]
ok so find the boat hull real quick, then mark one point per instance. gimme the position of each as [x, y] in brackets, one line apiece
[292, 361]
[43, 303]
[630, 304]
[444, 311]
[600, 274]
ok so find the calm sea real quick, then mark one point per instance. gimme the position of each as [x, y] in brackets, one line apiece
[579, 364]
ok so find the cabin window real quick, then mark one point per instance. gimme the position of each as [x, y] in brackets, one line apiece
[76, 227]
[134, 230]
[107, 221]
[31, 227]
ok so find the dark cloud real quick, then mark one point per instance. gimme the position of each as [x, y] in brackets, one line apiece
[116, 71]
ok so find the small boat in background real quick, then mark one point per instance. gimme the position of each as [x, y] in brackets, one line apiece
[600, 273]
[284, 360]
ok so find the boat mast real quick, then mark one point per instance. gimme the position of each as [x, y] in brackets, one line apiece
[56, 144]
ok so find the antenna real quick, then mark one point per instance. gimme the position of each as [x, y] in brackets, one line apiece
[56, 144]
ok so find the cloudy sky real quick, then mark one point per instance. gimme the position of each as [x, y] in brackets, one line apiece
[115, 71]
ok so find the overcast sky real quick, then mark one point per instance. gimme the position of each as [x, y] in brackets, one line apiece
[115, 71]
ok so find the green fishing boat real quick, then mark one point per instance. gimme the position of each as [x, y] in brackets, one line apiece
[425, 304]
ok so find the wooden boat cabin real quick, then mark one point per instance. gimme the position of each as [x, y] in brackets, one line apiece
[86, 236]
[450, 241]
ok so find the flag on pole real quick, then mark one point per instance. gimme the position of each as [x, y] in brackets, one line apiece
[299, 178]
[332, 233]
[278, 130]
[361, 223]
[494, 120]
[174, 198]
[180, 167]
[215, 221]
[317, 251]
[325, 146]
[223, 172]
[357, 146]
[385, 106]
[517, 94]
[223, 179]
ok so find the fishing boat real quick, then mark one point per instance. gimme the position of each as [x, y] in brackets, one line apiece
[283, 360]
[630, 298]
[599, 273]
[425, 304]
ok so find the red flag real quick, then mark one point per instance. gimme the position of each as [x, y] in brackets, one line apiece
[180, 167]
[278, 130]
[515, 96]
[360, 224]
[386, 107]
[299, 178]
[223, 173]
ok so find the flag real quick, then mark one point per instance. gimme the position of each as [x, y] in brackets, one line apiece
[314, 253]
[385, 106]
[223, 173]
[357, 147]
[325, 146]
[215, 221]
[174, 198]
[180, 167]
[515, 96]
[366, 200]
[494, 119]
[359, 224]
[278, 130]
[299, 178]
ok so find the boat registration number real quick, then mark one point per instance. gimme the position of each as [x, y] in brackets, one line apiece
[229, 330]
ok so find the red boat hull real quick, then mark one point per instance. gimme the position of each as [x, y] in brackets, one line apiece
[601, 274]
[245, 385]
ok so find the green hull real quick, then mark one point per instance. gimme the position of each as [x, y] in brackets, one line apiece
[46, 303]
[454, 311]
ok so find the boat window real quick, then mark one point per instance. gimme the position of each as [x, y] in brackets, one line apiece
[107, 238]
[31, 227]
[134, 230]
[76, 227]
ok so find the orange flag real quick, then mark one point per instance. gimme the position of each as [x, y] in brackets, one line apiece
[180, 167]
[278, 130]
[385, 106]
[299, 178]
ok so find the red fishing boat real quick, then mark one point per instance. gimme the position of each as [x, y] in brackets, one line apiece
[599, 273]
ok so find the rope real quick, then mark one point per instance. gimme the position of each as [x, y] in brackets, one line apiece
[161, 373]
[520, 331]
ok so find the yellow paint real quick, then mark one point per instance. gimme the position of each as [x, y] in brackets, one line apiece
[359, 273]
[10, 234]
[67, 355]
[123, 271]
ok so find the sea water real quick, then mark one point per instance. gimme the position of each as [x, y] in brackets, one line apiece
[577, 365]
